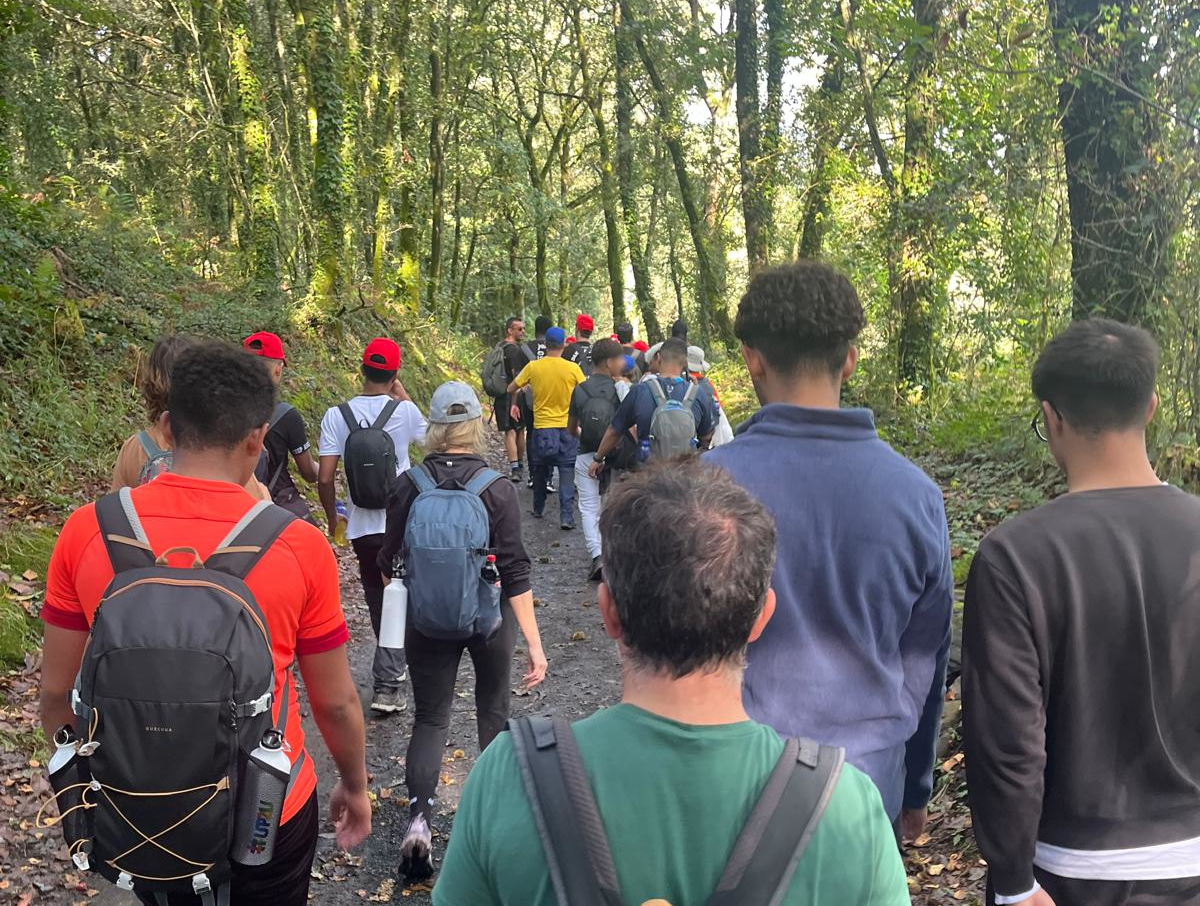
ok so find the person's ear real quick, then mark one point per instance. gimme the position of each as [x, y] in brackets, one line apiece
[1054, 421]
[851, 363]
[764, 616]
[754, 362]
[278, 372]
[1153, 408]
[164, 427]
[255, 439]
[608, 612]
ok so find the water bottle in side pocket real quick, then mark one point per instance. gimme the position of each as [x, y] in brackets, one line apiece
[260, 805]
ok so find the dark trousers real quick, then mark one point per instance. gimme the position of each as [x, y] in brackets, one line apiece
[388, 666]
[554, 448]
[433, 667]
[1075, 892]
[281, 882]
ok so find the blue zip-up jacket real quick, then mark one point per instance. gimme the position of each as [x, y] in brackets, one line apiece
[856, 653]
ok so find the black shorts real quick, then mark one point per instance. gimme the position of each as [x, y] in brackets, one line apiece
[504, 419]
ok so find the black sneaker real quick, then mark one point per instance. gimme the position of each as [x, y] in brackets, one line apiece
[568, 526]
[529, 483]
[597, 573]
[535, 514]
[515, 474]
[550, 488]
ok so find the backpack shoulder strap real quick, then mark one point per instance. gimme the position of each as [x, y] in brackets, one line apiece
[419, 475]
[122, 531]
[565, 813]
[656, 390]
[281, 409]
[481, 481]
[782, 823]
[152, 449]
[348, 417]
[385, 414]
[690, 393]
[249, 539]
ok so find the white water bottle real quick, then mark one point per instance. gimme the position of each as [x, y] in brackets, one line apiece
[260, 804]
[394, 618]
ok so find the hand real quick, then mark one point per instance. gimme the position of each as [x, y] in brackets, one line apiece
[351, 815]
[595, 469]
[912, 822]
[515, 412]
[333, 528]
[537, 668]
[397, 391]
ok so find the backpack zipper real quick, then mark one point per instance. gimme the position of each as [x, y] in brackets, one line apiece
[198, 583]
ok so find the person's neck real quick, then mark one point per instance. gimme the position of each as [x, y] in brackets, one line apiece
[1113, 460]
[667, 372]
[553, 353]
[698, 698]
[209, 465]
[810, 392]
[372, 389]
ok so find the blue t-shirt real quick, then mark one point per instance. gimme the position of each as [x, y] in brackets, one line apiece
[638, 408]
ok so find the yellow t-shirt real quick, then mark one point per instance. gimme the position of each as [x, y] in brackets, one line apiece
[553, 380]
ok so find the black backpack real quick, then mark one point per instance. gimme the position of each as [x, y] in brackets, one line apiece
[266, 471]
[581, 355]
[370, 457]
[596, 414]
[175, 689]
[764, 858]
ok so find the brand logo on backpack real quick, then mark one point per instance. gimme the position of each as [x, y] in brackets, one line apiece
[159, 729]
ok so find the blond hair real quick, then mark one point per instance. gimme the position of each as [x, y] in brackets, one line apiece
[466, 435]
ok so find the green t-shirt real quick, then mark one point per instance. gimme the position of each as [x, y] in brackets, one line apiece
[673, 798]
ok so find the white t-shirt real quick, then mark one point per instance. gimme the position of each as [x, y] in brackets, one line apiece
[406, 426]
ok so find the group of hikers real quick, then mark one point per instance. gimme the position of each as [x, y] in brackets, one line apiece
[781, 604]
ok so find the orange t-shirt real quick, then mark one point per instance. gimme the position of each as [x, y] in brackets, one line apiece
[295, 583]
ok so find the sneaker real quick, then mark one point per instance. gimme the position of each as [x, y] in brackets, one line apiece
[597, 573]
[535, 514]
[514, 474]
[388, 702]
[568, 526]
[529, 483]
[416, 852]
[550, 488]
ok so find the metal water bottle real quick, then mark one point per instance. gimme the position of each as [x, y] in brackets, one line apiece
[393, 619]
[70, 777]
[260, 805]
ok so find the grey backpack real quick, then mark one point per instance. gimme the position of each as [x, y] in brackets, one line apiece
[673, 425]
[446, 543]
[760, 868]
[175, 689]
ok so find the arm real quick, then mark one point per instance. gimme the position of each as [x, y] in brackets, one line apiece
[338, 713]
[504, 510]
[62, 653]
[1004, 726]
[924, 650]
[522, 606]
[307, 466]
[624, 420]
[327, 491]
[399, 503]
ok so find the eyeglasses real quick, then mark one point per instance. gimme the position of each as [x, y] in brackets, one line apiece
[1038, 425]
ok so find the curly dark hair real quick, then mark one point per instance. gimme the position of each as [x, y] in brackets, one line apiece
[800, 316]
[218, 396]
[154, 372]
[688, 556]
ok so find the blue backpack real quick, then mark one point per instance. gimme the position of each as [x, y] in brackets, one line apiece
[446, 543]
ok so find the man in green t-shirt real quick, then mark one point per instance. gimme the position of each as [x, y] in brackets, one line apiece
[677, 766]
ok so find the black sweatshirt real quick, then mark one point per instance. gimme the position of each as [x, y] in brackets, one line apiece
[1081, 684]
[500, 501]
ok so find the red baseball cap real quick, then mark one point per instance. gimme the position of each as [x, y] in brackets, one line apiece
[641, 345]
[572, 340]
[383, 354]
[265, 344]
[585, 322]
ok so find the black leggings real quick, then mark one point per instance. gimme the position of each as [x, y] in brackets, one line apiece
[433, 667]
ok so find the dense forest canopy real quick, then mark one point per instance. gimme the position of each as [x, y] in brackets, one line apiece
[984, 169]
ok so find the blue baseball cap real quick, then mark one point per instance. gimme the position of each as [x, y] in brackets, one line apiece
[556, 336]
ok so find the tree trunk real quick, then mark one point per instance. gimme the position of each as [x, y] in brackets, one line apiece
[916, 289]
[755, 207]
[437, 179]
[1119, 221]
[709, 292]
[627, 189]
[608, 189]
[407, 240]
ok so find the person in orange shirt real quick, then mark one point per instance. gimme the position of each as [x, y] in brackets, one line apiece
[147, 454]
[218, 406]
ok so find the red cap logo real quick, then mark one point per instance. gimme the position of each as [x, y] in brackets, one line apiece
[383, 354]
